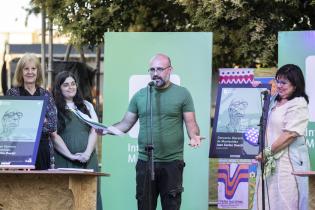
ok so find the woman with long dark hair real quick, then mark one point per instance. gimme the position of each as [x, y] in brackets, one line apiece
[286, 150]
[75, 140]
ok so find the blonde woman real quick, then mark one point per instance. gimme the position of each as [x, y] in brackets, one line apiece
[27, 81]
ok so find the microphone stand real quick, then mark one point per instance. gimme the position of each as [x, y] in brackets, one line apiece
[261, 140]
[149, 148]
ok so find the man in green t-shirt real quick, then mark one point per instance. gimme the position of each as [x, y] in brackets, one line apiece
[161, 146]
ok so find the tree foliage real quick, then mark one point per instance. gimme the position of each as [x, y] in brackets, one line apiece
[86, 21]
[246, 31]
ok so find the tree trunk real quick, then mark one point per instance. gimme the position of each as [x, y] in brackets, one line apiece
[97, 82]
[50, 55]
[68, 51]
[43, 44]
[82, 57]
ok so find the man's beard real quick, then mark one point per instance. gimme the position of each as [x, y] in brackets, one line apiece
[159, 81]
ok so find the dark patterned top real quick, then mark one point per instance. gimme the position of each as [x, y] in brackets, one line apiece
[50, 123]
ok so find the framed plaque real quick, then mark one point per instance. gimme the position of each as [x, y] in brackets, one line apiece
[22, 119]
[237, 120]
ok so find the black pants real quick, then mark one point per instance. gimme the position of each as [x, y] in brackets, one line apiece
[167, 183]
[43, 155]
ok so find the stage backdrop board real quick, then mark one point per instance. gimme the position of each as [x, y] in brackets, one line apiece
[21, 129]
[126, 59]
[298, 47]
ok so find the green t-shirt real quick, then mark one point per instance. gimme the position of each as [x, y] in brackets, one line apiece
[168, 106]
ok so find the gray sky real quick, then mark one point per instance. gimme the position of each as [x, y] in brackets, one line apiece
[12, 17]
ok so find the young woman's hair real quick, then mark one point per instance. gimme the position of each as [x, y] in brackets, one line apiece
[294, 74]
[18, 80]
[61, 102]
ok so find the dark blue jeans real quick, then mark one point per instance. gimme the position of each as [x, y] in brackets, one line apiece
[168, 183]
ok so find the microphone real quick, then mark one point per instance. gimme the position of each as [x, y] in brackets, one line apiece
[265, 92]
[153, 83]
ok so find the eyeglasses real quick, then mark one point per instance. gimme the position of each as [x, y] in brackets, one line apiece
[12, 114]
[72, 84]
[282, 82]
[158, 69]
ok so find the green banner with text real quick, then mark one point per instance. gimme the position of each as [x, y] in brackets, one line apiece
[298, 47]
[126, 62]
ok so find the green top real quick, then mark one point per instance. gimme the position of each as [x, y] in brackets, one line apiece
[168, 106]
[76, 137]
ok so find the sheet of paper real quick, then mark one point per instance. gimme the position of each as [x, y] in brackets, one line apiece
[72, 169]
[96, 125]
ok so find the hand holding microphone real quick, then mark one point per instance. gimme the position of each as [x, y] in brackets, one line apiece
[265, 92]
[256, 83]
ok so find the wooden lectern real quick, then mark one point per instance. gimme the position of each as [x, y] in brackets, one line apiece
[48, 190]
[311, 175]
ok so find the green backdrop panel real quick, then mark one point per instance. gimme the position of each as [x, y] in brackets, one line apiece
[126, 55]
[298, 48]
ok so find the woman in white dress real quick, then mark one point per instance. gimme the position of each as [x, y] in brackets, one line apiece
[286, 149]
